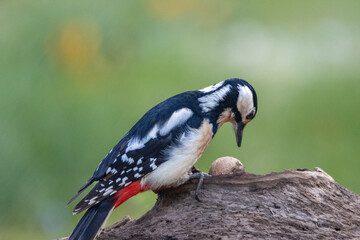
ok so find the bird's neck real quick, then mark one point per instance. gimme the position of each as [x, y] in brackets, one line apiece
[220, 116]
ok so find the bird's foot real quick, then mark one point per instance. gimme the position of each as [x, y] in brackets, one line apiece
[200, 176]
[194, 170]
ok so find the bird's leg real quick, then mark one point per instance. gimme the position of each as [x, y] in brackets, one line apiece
[200, 176]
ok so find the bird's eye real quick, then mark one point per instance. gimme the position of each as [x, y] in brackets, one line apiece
[251, 115]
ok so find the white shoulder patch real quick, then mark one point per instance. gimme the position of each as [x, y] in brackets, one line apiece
[178, 118]
[209, 102]
[212, 87]
[137, 143]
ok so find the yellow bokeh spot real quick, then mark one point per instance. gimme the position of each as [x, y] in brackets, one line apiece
[167, 9]
[78, 45]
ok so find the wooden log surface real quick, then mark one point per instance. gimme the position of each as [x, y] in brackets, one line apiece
[293, 204]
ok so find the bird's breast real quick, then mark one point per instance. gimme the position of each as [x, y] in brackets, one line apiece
[180, 158]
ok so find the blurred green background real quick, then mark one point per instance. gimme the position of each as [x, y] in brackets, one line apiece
[76, 76]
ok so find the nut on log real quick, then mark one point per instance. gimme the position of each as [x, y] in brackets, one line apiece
[226, 165]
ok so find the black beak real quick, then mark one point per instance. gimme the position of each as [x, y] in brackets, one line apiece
[239, 128]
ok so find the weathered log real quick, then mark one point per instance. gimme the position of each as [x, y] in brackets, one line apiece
[293, 204]
[300, 204]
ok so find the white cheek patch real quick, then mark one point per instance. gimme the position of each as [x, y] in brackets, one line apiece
[245, 103]
[209, 102]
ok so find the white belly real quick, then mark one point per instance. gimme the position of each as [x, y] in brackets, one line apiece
[181, 159]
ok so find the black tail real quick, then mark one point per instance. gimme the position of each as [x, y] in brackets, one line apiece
[88, 183]
[94, 218]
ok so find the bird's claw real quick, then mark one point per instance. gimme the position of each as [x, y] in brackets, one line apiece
[200, 176]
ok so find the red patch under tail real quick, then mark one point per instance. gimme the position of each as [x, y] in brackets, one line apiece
[127, 192]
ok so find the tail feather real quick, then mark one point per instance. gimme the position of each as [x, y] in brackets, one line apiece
[94, 218]
[88, 183]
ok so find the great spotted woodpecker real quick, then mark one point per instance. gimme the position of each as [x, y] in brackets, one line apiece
[162, 147]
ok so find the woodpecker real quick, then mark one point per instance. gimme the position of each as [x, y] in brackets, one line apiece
[161, 148]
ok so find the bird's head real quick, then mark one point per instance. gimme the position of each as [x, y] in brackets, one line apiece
[233, 100]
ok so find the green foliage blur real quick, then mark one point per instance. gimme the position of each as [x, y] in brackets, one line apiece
[76, 75]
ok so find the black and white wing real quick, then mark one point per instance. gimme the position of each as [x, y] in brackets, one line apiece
[140, 152]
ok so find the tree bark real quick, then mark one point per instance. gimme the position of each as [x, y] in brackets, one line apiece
[299, 204]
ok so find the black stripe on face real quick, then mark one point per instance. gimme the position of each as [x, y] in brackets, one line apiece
[238, 117]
